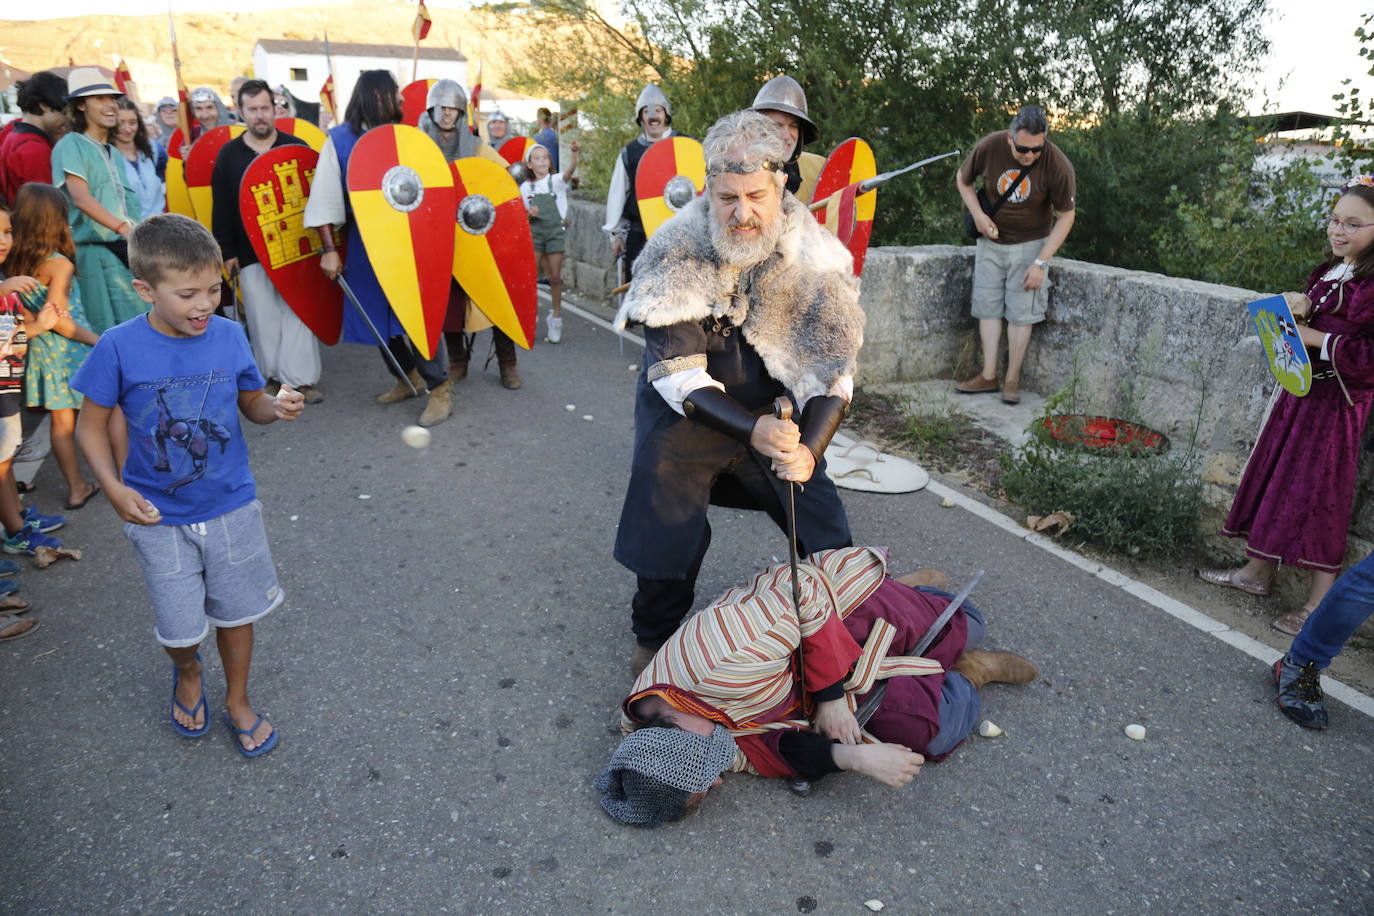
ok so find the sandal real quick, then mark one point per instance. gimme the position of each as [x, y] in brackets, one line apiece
[7, 622]
[258, 751]
[1227, 578]
[1291, 622]
[13, 605]
[182, 730]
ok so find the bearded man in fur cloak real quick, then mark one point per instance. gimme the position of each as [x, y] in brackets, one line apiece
[744, 298]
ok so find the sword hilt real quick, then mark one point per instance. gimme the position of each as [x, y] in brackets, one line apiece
[782, 408]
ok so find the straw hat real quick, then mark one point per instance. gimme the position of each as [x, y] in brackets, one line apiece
[87, 81]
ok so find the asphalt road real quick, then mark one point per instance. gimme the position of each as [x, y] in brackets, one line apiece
[445, 674]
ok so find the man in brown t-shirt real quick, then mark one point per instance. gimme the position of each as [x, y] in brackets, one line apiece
[1015, 245]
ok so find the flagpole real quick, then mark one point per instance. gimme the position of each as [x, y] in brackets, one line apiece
[334, 86]
[183, 101]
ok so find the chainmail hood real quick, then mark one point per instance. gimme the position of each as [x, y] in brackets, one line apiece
[655, 770]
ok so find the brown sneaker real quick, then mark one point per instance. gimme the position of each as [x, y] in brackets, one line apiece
[1011, 391]
[977, 385]
[983, 667]
[510, 378]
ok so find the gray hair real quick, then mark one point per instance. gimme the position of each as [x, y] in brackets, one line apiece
[744, 142]
[1031, 119]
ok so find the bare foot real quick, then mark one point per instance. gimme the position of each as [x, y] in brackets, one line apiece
[17, 628]
[243, 719]
[78, 496]
[891, 764]
[188, 696]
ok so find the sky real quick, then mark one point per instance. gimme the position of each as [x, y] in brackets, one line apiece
[1311, 52]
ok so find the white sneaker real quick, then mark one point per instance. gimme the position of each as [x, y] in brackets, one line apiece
[555, 326]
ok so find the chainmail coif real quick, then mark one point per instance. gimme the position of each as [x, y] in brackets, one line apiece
[655, 770]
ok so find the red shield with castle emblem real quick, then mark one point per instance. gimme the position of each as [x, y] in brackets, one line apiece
[272, 200]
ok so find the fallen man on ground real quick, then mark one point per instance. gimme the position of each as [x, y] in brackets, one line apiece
[723, 694]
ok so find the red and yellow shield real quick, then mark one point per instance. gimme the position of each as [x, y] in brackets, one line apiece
[302, 130]
[403, 201]
[514, 149]
[847, 213]
[178, 200]
[200, 165]
[493, 254]
[413, 98]
[272, 200]
[671, 174]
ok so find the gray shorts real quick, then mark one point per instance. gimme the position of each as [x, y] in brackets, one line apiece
[997, 273]
[217, 572]
[11, 435]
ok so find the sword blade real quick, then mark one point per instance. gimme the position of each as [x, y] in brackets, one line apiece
[875, 696]
[386, 351]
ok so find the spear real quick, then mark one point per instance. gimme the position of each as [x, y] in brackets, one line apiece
[877, 181]
[183, 96]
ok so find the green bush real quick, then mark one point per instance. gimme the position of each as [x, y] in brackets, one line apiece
[1137, 505]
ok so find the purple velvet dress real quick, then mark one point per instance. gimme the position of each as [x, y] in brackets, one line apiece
[1294, 500]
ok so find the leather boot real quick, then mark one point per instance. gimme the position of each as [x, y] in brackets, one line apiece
[505, 358]
[440, 405]
[400, 391]
[933, 578]
[458, 356]
[982, 667]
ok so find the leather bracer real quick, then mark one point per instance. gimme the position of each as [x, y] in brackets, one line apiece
[716, 410]
[819, 420]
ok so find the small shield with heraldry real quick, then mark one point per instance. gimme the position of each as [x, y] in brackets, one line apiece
[848, 213]
[493, 254]
[303, 131]
[404, 202]
[671, 173]
[413, 99]
[200, 165]
[272, 200]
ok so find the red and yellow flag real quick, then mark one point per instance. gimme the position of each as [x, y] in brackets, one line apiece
[327, 96]
[475, 102]
[123, 78]
[422, 23]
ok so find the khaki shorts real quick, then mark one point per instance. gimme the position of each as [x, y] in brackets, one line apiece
[997, 273]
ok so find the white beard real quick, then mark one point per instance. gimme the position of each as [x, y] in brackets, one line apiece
[745, 252]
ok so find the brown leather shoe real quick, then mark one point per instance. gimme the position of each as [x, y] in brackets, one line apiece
[510, 378]
[1011, 391]
[977, 385]
[983, 667]
[1291, 622]
[932, 578]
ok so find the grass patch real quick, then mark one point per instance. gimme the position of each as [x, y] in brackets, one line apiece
[943, 438]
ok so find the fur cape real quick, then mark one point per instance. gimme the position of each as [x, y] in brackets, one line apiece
[801, 312]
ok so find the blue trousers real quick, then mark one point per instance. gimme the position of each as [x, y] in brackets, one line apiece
[1330, 626]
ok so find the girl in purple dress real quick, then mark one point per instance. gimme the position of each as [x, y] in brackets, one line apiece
[1294, 501]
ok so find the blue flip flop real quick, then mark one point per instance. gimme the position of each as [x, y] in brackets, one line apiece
[182, 730]
[258, 751]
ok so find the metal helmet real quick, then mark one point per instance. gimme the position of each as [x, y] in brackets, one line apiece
[652, 95]
[498, 115]
[447, 93]
[782, 93]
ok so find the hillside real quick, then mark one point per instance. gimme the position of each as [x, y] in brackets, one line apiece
[216, 47]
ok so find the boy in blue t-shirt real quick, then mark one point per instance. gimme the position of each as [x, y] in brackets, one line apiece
[181, 375]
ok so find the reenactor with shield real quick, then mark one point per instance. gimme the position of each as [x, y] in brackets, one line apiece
[654, 115]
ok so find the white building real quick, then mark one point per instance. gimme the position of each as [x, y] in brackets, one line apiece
[301, 66]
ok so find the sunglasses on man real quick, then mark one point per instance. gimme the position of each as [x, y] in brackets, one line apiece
[1033, 150]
